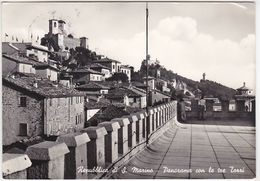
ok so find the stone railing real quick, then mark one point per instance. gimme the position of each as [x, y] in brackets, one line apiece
[225, 113]
[94, 152]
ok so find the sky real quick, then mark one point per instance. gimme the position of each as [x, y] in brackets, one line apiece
[187, 38]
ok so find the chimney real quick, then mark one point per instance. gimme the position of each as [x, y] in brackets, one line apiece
[244, 84]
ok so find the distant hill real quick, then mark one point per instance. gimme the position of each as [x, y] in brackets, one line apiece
[208, 88]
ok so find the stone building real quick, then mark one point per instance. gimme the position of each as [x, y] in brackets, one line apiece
[126, 96]
[245, 99]
[58, 38]
[114, 65]
[93, 87]
[85, 74]
[29, 49]
[157, 97]
[126, 70]
[102, 69]
[14, 63]
[35, 106]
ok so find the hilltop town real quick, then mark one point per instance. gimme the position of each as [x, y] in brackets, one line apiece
[57, 85]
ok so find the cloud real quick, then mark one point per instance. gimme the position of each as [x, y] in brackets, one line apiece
[178, 45]
[178, 28]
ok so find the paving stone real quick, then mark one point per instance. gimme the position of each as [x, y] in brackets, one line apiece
[232, 176]
[206, 176]
[206, 146]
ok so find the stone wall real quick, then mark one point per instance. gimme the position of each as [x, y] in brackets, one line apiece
[223, 114]
[14, 114]
[71, 42]
[64, 115]
[107, 146]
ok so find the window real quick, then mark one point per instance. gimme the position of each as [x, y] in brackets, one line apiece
[55, 24]
[134, 100]
[23, 129]
[35, 51]
[44, 53]
[23, 101]
[50, 101]
[113, 66]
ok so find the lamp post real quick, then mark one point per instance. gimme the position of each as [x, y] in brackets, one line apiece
[147, 88]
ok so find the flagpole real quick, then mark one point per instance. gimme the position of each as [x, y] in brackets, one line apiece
[147, 88]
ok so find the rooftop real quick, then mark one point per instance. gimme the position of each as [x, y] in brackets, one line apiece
[44, 88]
[98, 65]
[19, 59]
[107, 114]
[20, 47]
[106, 60]
[120, 92]
[87, 71]
[92, 85]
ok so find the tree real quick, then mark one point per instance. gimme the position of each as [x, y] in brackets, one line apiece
[118, 77]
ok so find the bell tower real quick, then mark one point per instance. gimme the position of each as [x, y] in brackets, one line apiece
[53, 26]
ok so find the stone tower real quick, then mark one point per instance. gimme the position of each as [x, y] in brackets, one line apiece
[204, 76]
[53, 26]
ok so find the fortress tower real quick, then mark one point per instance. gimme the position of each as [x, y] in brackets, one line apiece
[53, 26]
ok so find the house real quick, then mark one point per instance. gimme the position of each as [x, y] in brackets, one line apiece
[65, 79]
[114, 65]
[151, 82]
[141, 92]
[47, 71]
[34, 50]
[85, 74]
[245, 99]
[106, 114]
[101, 68]
[40, 52]
[93, 87]
[125, 96]
[158, 97]
[92, 107]
[35, 107]
[126, 70]
[15, 63]
[9, 48]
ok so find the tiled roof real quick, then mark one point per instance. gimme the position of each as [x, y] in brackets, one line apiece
[20, 59]
[38, 48]
[41, 65]
[137, 91]
[106, 60]
[98, 65]
[135, 83]
[118, 93]
[86, 70]
[161, 92]
[96, 105]
[30, 61]
[21, 46]
[107, 114]
[92, 85]
[45, 87]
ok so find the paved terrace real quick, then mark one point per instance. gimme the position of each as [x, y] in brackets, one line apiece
[196, 145]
